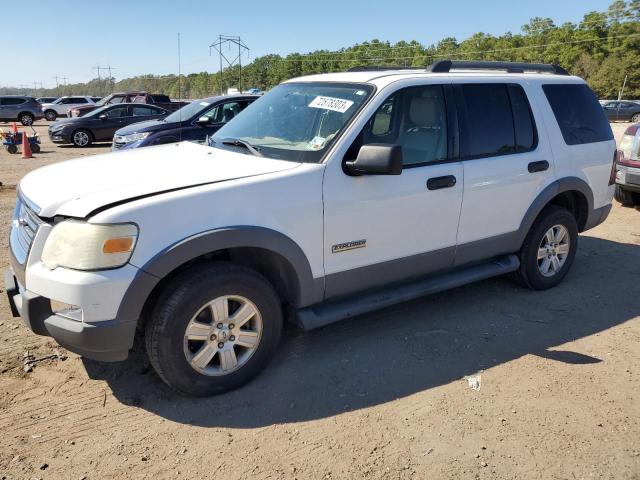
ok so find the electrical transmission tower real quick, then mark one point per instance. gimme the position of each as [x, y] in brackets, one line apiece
[230, 41]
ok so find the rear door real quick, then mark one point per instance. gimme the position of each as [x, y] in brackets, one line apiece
[505, 166]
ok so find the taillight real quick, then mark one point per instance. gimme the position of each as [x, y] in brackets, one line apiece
[612, 176]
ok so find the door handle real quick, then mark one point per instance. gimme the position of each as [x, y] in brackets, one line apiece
[436, 183]
[539, 166]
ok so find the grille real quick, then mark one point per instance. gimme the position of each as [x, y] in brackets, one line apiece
[23, 229]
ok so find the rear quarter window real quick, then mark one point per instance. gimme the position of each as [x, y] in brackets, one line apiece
[578, 113]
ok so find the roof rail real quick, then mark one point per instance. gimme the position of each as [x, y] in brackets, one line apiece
[380, 68]
[445, 66]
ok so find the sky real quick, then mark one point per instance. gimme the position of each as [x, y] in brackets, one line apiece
[67, 38]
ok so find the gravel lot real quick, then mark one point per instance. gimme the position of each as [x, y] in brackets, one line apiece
[383, 396]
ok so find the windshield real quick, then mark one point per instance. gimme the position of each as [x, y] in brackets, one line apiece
[295, 121]
[188, 111]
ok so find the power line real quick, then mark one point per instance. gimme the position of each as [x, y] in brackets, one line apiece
[229, 40]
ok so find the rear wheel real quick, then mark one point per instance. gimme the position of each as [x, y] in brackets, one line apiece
[214, 329]
[12, 149]
[26, 119]
[636, 118]
[549, 249]
[82, 138]
[51, 115]
[625, 197]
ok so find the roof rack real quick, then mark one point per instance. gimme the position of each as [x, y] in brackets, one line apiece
[445, 66]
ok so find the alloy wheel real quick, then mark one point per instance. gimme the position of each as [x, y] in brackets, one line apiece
[553, 250]
[223, 335]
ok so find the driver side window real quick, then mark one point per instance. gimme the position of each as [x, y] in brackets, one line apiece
[414, 118]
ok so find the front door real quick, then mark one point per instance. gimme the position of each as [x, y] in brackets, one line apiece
[381, 229]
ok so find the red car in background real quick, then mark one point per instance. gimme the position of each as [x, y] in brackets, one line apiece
[159, 100]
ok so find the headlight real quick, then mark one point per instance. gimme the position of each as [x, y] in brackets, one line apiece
[134, 137]
[85, 246]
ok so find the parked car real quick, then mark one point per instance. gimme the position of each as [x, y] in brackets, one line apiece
[62, 106]
[101, 124]
[193, 122]
[46, 99]
[622, 111]
[628, 168]
[159, 100]
[16, 108]
[329, 197]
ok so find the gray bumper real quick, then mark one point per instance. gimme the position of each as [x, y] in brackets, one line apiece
[107, 341]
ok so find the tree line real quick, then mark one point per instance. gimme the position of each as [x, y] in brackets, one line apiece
[603, 48]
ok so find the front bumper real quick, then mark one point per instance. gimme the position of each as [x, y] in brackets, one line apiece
[628, 177]
[107, 340]
[59, 137]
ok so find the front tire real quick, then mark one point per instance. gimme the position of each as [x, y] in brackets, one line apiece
[625, 197]
[213, 329]
[51, 115]
[82, 138]
[26, 119]
[549, 249]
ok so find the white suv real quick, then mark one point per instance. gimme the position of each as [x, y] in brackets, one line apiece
[63, 105]
[330, 196]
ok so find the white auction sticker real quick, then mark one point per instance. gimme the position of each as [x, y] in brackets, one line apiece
[330, 103]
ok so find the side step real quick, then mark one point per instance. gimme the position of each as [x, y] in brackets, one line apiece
[326, 313]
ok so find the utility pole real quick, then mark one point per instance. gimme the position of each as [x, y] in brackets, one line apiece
[98, 68]
[111, 82]
[624, 84]
[230, 41]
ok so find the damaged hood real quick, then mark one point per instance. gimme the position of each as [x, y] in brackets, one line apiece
[76, 188]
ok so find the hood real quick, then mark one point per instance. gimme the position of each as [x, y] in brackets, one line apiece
[62, 122]
[147, 126]
[76, 188]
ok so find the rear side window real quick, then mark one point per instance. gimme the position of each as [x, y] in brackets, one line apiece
[578, 114]
[160, 99]
[489, 120]
[13, 101]
[522, 119]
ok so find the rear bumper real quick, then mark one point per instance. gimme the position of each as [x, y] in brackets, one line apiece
[107, 341]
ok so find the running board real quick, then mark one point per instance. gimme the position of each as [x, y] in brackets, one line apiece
[326, 313]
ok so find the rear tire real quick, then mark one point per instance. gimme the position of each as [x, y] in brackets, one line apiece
[26, 119]
[51, 115]
[12, 149]
[549, 249]
[192, 340]
[625, 197]
[636, 118]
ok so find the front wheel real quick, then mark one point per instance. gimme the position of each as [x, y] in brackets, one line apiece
[214, 329]
[549, 248]
[625, 197]
[636, 118]
[51, 115]
[82, 138]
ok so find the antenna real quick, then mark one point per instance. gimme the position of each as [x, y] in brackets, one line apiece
[229, 40]
[180, 87]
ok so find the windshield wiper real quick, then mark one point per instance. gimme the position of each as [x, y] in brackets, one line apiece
[236, 142]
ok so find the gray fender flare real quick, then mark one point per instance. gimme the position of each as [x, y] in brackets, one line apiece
[558, 186]
[307, 291]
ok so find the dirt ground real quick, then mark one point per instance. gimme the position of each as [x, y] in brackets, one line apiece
[558, 375]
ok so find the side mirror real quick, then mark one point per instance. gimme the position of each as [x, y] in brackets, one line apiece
[376, 159]
[103, 116]
[202, 121]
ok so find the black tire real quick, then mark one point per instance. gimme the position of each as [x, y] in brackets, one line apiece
[12, 149]
[530, 272]
[636, 118]
[35, 148]
[26, 119]
[51, 115]
[625, 197]
[82, 138]
[183, 298]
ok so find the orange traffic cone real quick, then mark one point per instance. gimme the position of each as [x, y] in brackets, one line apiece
[26, 147]
[14, 127]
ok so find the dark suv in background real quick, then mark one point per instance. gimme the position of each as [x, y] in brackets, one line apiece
[14, 108]
[193, 122]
